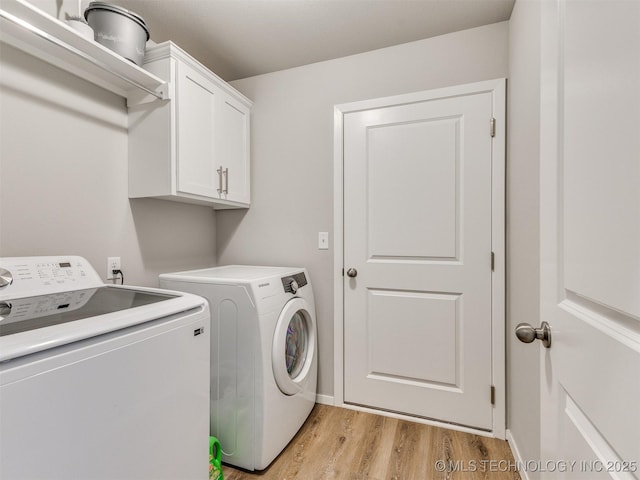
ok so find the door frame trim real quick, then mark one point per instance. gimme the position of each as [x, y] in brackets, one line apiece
[497, 88]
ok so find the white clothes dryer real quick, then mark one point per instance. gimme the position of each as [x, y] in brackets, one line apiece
[263, 356]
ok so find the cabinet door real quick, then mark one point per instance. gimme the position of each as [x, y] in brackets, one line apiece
[196, 122]
[233, 148]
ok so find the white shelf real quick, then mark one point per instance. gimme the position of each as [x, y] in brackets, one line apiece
[33, 31]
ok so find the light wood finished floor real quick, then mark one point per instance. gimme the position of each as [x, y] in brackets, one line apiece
[341, 444]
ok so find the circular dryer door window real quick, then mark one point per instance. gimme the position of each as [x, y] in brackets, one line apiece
[293, 346]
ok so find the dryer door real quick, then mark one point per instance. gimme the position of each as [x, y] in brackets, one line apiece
[294, 344]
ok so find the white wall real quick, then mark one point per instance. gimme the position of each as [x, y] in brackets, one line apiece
[523, 226]
[63, 180]
[292, 150]
[62, 9]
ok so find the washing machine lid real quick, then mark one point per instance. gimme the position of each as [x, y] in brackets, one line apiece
[231, 274]
[30, 313]
[46, 302]
[294, 344]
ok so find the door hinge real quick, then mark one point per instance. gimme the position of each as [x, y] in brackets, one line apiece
[493, 395]
[492, 127]
[493, 261]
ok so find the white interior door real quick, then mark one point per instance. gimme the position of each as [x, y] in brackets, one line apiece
[590, 238]
[417, 254]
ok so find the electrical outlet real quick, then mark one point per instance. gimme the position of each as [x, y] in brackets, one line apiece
[113, 263]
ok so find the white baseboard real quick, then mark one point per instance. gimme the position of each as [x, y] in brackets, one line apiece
[424, 421]
[524, 475]
[324, 399]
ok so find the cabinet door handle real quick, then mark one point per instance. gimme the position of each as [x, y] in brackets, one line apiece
[226, 181]
[219, 170]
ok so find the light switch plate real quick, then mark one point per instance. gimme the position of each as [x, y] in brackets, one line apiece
[323, 240]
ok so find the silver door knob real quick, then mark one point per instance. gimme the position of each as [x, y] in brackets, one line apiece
[527, 334]
[352, 272]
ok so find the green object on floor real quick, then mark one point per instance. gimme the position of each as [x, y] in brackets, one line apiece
[215, 459]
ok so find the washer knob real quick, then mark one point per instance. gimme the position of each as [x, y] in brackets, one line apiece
[293, 285]
[6, 278]
[5, 309]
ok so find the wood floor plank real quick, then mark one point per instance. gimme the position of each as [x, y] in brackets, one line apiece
[441, 452]
[297, 455]
[410, 450]
[376, 449]
[342, 444]
[333, 447]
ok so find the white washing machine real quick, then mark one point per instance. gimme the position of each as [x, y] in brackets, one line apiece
[99, 381]
[263, 356]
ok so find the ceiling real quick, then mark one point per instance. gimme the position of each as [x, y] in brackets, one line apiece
[243, 38]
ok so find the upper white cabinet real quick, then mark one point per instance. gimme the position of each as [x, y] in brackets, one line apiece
[195, 147]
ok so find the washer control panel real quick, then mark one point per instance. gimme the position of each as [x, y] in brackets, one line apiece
[28, 276]
[6, 278]
[29, 308]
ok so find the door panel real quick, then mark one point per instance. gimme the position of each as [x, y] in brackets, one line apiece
[196, 122]
[601, 159]
[400, 175]
[417, 228]
[428, 325]
[590, 237]
[233, 149]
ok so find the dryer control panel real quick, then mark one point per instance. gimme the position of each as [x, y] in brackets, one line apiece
[292, 283]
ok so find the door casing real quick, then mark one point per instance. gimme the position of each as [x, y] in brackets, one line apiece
[498, 244]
